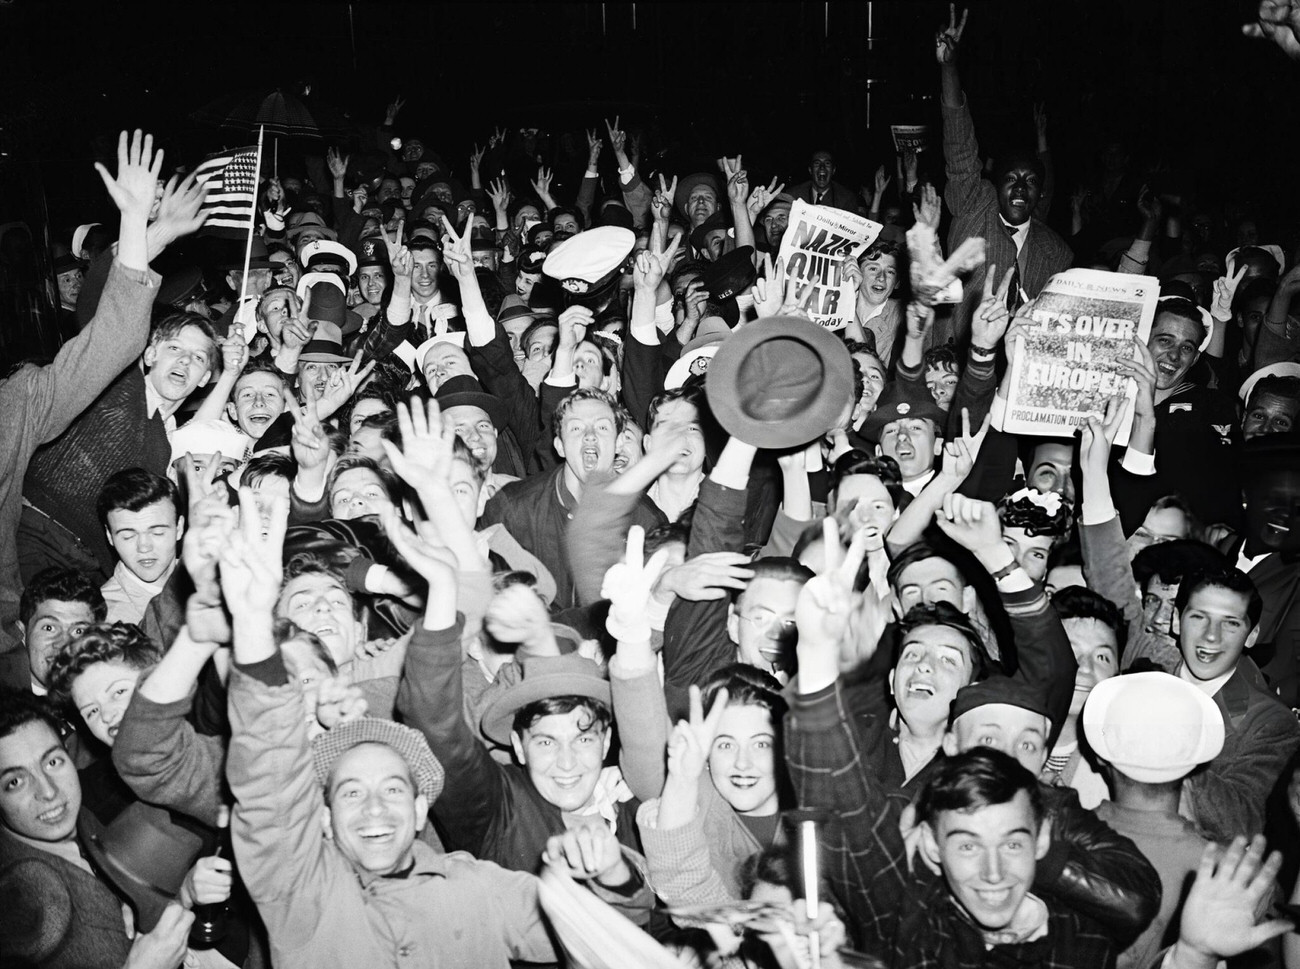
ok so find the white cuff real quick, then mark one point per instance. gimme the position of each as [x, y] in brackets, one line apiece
[1135, 462]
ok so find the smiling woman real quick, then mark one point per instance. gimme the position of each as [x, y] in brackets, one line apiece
[96, 674]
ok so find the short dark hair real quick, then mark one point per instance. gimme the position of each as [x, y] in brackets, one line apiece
[1286, 387]
[61, 585]
[885, 468]
[747, 686]
[1234, 580]
[133, 489]
[1184, 309]
[268, 465]
[309, 563]
[782, 568]
[942, 357]
[386, 423]
[105, 642]
[919, 552]
[665, 534]
[883, 247]
[18, 708]
[371, 391]
[692, 393]
[262, 365]
[977, 779]
[946, 614]
[352, 462]
[1170, 561]
[529, 714]
[1018, 159]
[1080, 602]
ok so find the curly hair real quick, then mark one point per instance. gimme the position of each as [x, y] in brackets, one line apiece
[105, 642]
[1025, 509]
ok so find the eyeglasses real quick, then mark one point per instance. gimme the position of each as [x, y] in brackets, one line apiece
[766, 621]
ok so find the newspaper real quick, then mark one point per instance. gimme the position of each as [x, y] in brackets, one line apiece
[1066, 366]
[813, 250]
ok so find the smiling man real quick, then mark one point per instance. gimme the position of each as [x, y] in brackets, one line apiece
[143, 523]
[537, 510]
[129, 425]
[1004, 211]
[257, 399]
[1217, 621]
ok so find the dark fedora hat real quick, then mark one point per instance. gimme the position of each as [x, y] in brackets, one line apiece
[144, 854]
[465, 391]
[780, 382]
[732, 274]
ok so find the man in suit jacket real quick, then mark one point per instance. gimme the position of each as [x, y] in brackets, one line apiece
[1218, 619]
[1001, 211]
[59, 913]
[822, 189]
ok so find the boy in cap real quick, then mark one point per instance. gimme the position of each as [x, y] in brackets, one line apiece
[1149, 731]
[908, 428]
[362, 892]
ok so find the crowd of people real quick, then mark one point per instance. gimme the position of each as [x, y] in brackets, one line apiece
[446, 545]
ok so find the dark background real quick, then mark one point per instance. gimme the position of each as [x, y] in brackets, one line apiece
[1175, 80]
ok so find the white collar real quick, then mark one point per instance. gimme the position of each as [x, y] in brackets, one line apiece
[1015, 230]
[915, 487]
[1208, 687]
[137, 589]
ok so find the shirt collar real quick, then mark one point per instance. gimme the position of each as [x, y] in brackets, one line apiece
[1208, 687]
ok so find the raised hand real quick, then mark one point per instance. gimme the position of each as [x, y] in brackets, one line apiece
[135, 189]
[1150, 206]
[435, 564]
[337, 163]
[852, 273]
[882, 181]
[500, 196]
[456, 253]
[310, 444]
[919, 320]
[662, 203]
[498, 137]
[179, 214]
[250, 560]
[1040, 124]
[1096, 438]
[826, 606]
[1220, 913]
[1142, 368]
[652, 264]
[1278, 21]
[428, 444]
[737, 179]
[769, 289]
[762, 196]
[342, 384]
[593, 148]
[991, 319]
[234, 350]
[165, 946]
[971, 523]
[960, 454]
[476, 158]
[948, 40]
[1225, 290]
[930, 209]
[691, 739]
[390, 114]
[707, 577]
[517, 614]
[542, 185]
[208, 882]
[617, 138]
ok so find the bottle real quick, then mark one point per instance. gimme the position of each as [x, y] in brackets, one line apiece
[212, 921]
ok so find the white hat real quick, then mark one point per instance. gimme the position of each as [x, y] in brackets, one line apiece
[1272, 370]
[1275, 251]
[309, 280]
[1152, 727]
[327, 247]
[79, 239]
[209, 437]
[457, 338]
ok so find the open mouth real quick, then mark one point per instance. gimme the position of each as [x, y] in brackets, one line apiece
[921, 688]
[178, 377]
[566, 783]
[743, 781]
[620, 462]
[259, 420]
[994, 899]
[147, 563]
[590, 458]
[54, 815]
[1208, 656]
[377, 836]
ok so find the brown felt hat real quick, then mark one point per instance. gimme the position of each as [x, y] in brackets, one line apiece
[780, 382]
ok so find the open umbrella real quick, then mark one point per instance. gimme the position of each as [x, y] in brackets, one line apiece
[279, 113]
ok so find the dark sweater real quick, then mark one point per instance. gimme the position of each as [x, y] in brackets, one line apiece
[115, 432]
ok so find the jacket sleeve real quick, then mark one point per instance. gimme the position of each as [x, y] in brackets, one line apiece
[643, 376]
[681, 867]
[52, 397]
[1228, 795]
[166, 762]
[966, 191]
[695, 633]
[1044, 657]
[429, 699]
[636, 196]
[641, 715]
[1097, 872]
[597, 536]
[975, 389]
[1106, 568]
[494, 363]
[275, 825]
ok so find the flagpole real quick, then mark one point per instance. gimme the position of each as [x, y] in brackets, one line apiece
[252, 223]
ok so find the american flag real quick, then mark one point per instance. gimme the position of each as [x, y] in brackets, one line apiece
[231, 177]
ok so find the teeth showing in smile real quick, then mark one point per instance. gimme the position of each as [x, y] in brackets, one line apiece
[53, 815]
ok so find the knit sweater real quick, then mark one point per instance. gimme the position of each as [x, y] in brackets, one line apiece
[114, 433]
[38, 403]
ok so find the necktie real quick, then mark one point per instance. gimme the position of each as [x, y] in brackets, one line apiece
[1015, 296]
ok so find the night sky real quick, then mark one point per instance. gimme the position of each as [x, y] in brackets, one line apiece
[773, 80]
